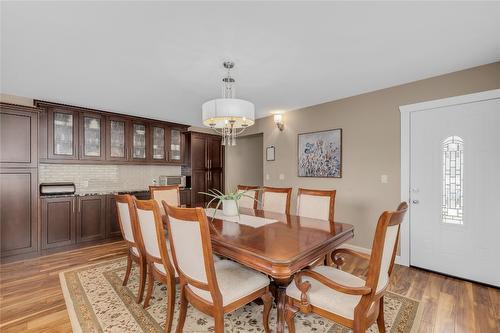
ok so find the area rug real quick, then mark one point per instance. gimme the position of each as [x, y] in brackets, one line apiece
[97, 302]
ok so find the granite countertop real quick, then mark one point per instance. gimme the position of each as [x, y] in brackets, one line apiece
[87, 193]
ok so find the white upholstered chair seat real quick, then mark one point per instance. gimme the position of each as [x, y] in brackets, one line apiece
[235, 282]
[329, 299]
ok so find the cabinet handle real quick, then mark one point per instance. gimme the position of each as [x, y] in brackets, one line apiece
[79, 202]
[73, 207]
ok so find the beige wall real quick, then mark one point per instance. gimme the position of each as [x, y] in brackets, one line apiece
[244, 162]
[371, 143]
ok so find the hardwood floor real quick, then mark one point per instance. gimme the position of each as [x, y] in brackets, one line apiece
[31, 299]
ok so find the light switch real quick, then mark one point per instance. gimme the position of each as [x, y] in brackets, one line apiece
[282, 176]
[384, 179]
[267, 176]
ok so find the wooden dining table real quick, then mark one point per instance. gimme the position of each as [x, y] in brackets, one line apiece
[277, 245]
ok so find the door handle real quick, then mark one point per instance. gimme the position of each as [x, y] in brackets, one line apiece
[415, 202]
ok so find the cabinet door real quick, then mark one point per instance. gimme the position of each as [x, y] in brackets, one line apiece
[139, 141]
[58, 222]
[158, 143]
[198, 152]
[198, 184]
[18, 211]
[112, 224]
[18, 137]
[92, 139]
[175, 145]
[215, 180]
[185, 197]
[90, 223]
[62, 141]
[116, 139]
[214, 153]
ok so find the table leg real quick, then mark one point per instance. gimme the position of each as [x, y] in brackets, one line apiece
[280, 299]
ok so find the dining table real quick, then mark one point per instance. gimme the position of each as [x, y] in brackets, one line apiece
[278, 245]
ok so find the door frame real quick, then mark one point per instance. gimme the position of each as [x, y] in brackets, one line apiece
[404, 257]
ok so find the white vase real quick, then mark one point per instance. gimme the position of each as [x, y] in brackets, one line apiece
[229, 207]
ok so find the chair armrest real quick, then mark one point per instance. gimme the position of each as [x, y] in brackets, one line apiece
[339, 261]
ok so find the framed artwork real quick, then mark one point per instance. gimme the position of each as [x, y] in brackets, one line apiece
[320, 154]
[270, 153]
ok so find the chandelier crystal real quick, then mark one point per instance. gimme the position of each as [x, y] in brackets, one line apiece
[228, 116]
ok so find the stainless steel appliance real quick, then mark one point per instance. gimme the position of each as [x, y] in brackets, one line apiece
[172, 180]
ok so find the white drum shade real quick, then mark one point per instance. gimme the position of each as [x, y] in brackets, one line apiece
[218, 112]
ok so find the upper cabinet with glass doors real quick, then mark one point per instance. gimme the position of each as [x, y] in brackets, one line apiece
[175, 145]
[92, 138]
[159, 143]
[62, 134]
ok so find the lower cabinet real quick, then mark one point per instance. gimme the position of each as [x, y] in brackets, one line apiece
[185, 195]
[58, 222]
[112, 224]
[91, 218]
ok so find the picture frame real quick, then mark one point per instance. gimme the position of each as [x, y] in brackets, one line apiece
[270, 153]
[319, 154]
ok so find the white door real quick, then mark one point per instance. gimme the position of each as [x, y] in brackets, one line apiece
[455, 190]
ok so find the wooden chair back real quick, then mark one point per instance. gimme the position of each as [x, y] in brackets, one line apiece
[247, 202]
[150, 231]
[317, 204]
[169, 193]
[384, 250]
[192, 249]
[276, 199]
[126, 218]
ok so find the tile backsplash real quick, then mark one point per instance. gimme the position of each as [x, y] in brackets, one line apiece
[90, 178]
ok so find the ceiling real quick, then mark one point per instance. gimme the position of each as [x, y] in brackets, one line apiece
[164, 59]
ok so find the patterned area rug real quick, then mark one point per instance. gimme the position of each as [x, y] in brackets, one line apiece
[97, 302]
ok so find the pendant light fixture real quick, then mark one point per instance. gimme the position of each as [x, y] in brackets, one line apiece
[228, 116]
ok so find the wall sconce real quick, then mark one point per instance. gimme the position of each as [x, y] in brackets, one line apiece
[278, 120]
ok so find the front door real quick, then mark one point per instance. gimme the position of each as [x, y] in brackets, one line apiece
[455, 190]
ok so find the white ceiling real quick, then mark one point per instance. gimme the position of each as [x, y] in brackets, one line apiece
[163, 60]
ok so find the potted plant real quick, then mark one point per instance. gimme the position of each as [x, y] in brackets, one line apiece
[229, 201]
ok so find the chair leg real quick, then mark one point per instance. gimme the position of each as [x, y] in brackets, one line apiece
[267, 299]
[129, 268]
[290, 312]
[182, 310]
[151, 283]
[380, 318]
[219, 321]
[142, 283]
[170, 303]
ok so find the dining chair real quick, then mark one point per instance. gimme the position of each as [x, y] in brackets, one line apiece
[251, 191]
[169, 193]
[128, 226]
[214, 288]
[343, 297]
[276, 199]
[320, 205]
[158, 254]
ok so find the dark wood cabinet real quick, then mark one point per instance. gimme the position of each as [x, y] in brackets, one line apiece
[159, 142]
[117, 134]
[185, 196]
[175, 143]
[62, 134]
[18, 211]
[139, 141]
[112, 224]
[91, 218]
[18, 136]
[207, 160]
[92, 136]
[58, 221]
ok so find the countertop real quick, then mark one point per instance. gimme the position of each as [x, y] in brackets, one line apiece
[85, 193]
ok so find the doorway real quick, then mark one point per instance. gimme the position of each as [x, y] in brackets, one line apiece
[244, 163]
[454, 189]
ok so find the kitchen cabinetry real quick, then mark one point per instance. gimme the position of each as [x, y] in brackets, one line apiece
[18, 180]
[62, 134]
[77, 135]
[207, 172]
[91, 218]
[58, 221]
[112, 224]
[185, 196]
